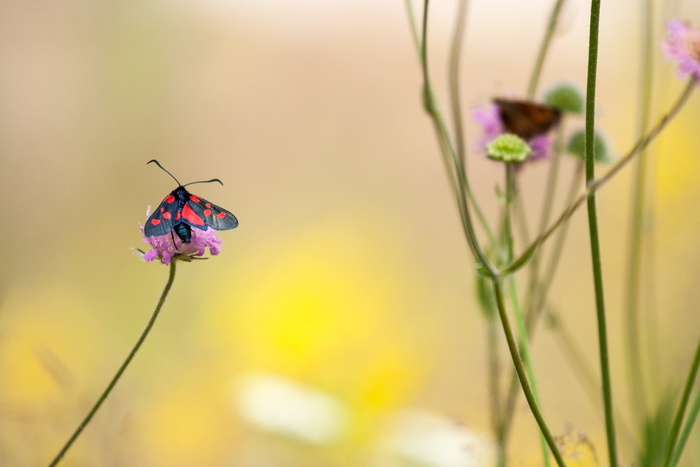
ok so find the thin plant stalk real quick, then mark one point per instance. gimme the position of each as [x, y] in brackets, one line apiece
[454, 79]
[638, 390]
[115, 378]
[594, 236]
[544, 47]
[680, 413]
[687, 429]
[522, 372]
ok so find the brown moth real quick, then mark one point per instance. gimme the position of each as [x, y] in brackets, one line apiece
[526, 119]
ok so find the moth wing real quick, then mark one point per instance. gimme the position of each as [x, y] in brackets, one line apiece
[527, 119]
[163, 218]
[212, 215]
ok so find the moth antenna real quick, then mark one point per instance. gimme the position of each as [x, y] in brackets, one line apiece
[205, 181]
[158, 164]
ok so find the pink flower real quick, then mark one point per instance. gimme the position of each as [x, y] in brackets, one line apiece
[683, 46]
[168, 247]
[489, 118]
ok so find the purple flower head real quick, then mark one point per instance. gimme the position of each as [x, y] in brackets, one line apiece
[683, 46]
[489, 118]
[170, 246]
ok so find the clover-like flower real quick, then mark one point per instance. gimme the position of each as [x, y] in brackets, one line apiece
[683, 46]
[508, 148]
[170, 246]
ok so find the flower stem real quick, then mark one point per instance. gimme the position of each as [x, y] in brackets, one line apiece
[593, 233]
[116, 377]
[673, 436]
[522, 373]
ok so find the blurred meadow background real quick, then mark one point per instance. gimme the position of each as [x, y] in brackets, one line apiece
[338, 327]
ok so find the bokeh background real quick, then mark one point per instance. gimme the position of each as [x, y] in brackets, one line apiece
[338, 327]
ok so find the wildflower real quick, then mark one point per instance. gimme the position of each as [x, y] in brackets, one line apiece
[683, 46]
[169, 246]
[489, 118]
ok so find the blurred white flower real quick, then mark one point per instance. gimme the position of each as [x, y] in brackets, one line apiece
[278, 404]
[422, 438]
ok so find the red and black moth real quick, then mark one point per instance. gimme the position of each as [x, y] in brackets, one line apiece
[180, 211]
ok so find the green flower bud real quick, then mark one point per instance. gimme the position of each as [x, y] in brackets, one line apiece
[566, 98]
[577, 147]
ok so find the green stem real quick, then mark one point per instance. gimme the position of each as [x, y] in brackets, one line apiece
[116, 377]
[593, 232]
[637, 390]
[539, 63]
[687, 429]
[596, 185]
[690, 381]
[522, 373]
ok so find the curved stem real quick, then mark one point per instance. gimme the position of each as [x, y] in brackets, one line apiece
[116, 377]
[522, 373]
[594, 236]
[441, 129]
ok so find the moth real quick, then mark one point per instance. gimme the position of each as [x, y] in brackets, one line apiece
[526, 119]
[181, 211]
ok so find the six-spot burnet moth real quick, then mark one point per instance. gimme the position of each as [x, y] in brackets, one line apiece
[181, 210]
